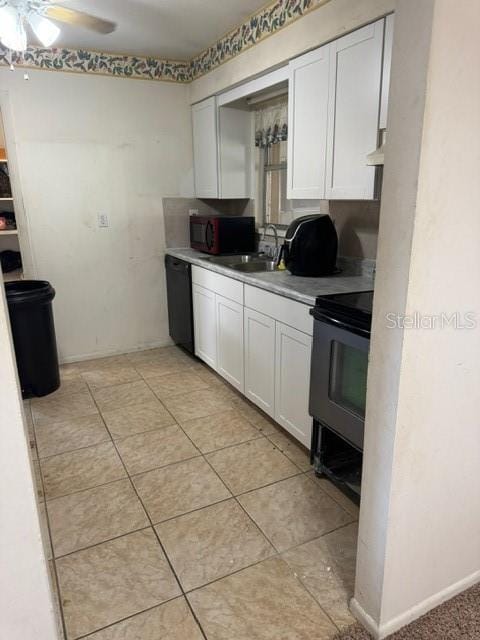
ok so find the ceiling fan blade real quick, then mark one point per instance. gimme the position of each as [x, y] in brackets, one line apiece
[80, 19]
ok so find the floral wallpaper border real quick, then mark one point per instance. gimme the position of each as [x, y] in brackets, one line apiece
[82, 61]
[259, 26]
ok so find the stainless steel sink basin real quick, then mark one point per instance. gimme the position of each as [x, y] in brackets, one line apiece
[255, 266]
[234, 259]
[248, 263]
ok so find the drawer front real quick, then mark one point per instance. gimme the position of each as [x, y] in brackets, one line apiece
[290, 312]
[226, 287]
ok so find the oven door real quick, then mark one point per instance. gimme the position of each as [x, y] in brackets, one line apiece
[338, 385]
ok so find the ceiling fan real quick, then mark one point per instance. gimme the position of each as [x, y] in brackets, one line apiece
[15, 15]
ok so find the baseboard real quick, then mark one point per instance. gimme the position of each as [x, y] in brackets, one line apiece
[364, 619]
[379, 632]
[115, 352]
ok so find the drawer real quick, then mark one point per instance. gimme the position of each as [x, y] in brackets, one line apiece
[290, 312]
[226, 287]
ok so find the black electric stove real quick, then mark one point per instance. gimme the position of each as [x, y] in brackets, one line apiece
[353, 310]
[338, 386]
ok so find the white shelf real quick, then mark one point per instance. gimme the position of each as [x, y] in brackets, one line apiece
[9, 232]
[12, 276]
[6, 199]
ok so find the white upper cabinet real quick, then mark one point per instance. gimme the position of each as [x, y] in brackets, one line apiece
[205, 150]
[337, 102]
[236, 139]
[353, 112]
[333, 115]
[387, 63]
[222, 150]
[307, 124]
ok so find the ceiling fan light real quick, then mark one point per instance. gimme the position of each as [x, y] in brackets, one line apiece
[12, 31]
[46, 31]
[8, 18]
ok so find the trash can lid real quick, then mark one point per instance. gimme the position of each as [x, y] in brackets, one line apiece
[29, 291]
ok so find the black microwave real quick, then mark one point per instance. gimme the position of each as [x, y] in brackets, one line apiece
[222, 234]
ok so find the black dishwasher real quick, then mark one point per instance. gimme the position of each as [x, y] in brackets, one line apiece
[179, 294]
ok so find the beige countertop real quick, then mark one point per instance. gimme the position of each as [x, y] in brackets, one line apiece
[282, 282]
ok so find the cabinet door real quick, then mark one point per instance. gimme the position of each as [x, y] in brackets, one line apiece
[292, 384]
[260, 360]
[307, 124]
[353, 112]
[235, 152]
[205, 148]
[205, 325]
[230, 341]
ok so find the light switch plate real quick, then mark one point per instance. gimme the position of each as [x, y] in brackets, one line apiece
[102, 220]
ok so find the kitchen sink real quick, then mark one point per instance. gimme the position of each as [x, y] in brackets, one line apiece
[234, 259]
[248, 263]
[255, 265]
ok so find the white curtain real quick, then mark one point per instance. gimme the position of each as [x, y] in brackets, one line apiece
[271, 123]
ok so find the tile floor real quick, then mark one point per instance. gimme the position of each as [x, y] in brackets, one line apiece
[174, 509]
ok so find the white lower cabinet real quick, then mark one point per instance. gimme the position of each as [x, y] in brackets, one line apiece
[260, 360]
[229, 322]
[205, 325]
[254, 348]
[292, 382]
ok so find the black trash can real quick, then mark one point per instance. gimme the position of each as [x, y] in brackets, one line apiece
[33, 330]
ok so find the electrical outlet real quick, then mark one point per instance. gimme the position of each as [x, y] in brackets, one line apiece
[193, 212]
[102, 220]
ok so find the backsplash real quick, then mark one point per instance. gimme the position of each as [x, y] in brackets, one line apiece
[356, 266]
[356, 222]
[176, 215]
[348, 265]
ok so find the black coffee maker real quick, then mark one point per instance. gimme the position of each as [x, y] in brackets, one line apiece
[310, 247]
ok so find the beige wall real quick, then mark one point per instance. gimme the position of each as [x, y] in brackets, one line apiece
[324, 24]
[87, 145]
[420, 519]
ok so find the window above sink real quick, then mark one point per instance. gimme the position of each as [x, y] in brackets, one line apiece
[271, 132]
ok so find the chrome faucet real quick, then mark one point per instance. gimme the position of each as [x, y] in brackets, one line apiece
[275, 233]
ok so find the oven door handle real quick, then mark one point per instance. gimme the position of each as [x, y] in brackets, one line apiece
[340, 324]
